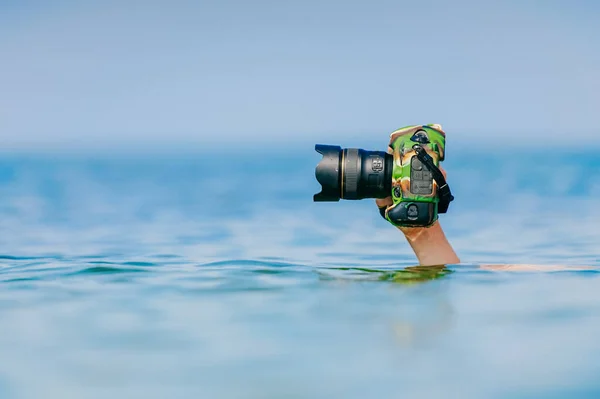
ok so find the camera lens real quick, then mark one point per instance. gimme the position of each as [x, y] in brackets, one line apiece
[352, 173]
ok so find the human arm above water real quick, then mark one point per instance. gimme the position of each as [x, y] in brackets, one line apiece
[430, 244]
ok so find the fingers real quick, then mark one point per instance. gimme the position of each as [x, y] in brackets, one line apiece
[444, 173]
[384, 202]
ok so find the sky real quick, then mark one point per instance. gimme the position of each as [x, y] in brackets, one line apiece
[216, 74]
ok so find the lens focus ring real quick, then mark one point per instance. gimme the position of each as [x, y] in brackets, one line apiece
[351, 172]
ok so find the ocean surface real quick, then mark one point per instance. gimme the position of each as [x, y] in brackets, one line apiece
[214, 275]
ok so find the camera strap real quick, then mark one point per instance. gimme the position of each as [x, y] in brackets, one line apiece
[443, 189]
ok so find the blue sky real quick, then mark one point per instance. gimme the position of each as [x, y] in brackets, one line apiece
[213, 73]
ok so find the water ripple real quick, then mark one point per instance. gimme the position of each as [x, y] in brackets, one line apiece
[107, 270]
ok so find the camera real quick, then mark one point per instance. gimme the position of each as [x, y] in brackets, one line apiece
[408, 173]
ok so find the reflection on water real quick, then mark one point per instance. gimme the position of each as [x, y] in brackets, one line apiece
[410, 327]
[407, 275]
[152, 278]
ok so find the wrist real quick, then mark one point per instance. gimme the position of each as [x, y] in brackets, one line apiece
[416, 234]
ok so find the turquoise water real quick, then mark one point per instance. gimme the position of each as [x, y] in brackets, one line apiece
[215, 276]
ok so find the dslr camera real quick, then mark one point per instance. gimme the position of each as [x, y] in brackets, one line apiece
[408, 173]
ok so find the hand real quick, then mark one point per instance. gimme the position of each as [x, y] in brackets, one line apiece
[386, 202]
[429, 243]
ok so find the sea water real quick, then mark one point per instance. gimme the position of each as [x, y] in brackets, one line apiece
[209, 275]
